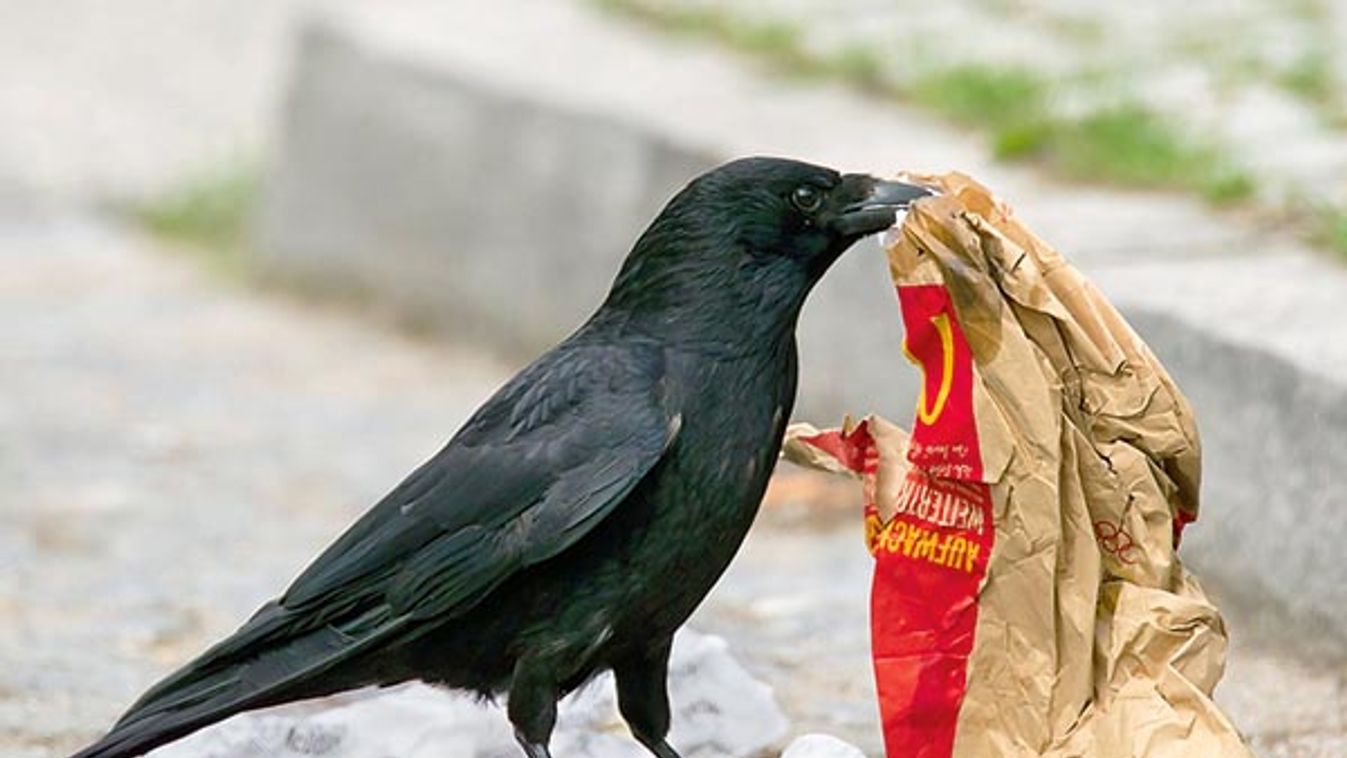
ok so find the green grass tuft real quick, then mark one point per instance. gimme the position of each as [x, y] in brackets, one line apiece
[212, 209]
[862, 66]
[1314, 11]
[1330, 229]
[1226, 184]
[981, 95]
[211, 213]
[1127, 144]
[777, 43]
[1010, 103]
[1311, 78]
[1023, 141]
[775, 40]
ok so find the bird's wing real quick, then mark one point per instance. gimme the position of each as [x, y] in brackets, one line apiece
[538, 466]
[534, 470]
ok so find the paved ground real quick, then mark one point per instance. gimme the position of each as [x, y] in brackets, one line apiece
[175, 447]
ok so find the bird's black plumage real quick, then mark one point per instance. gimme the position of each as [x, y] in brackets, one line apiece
[582, 513]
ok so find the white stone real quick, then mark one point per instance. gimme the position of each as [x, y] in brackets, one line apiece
[821, 746]
[719, 710]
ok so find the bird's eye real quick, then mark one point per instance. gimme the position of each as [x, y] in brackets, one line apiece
[807, 198]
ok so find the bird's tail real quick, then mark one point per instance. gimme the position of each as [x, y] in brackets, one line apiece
[244, 672]
[138, 736]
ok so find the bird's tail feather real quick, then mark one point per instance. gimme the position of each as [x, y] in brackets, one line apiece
[149, 733]
[206, 691]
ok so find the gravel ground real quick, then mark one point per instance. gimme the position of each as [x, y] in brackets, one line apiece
[174, 449]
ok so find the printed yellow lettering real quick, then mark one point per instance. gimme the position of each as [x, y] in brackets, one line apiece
[939, 559]
[910, 539]
[957, 553]
[927, 545]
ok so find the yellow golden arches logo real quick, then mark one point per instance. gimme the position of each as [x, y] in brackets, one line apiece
[928, 416]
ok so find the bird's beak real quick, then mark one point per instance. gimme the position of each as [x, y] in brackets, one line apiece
[878, 209]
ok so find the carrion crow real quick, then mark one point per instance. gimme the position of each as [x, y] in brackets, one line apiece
[581, 514]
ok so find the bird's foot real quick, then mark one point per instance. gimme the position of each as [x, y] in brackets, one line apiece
[662, 749]
[532, 749]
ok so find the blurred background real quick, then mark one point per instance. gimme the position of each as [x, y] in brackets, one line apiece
[258, 259]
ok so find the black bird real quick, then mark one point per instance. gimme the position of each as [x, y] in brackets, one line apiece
[578, 518]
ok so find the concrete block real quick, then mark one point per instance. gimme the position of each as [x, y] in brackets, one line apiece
[488, 214]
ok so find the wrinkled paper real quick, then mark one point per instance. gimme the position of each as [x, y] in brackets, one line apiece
[1028, 597]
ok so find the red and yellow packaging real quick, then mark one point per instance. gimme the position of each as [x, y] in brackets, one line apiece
[1028, 598]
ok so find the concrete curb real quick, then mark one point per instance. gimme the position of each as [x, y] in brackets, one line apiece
[436, 133]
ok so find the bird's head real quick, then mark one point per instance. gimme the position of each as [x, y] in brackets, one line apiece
[753, 236]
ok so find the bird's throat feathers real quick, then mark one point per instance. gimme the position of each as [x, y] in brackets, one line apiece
[691, 284]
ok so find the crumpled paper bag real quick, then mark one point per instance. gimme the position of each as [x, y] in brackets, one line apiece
[1028, 597]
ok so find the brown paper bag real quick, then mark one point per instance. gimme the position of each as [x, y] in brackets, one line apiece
[1028, 599]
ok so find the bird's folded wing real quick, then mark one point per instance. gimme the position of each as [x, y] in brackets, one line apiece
[544, 461]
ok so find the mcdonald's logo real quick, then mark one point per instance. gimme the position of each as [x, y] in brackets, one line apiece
[944, 437]
[927, 413]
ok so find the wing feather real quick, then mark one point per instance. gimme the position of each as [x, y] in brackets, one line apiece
[543, 462]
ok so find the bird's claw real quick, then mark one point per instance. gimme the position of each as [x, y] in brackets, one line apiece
[663, 749]
[533, 749]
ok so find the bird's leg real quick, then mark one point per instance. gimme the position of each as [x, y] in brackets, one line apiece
[533, 706]
[643, 696]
